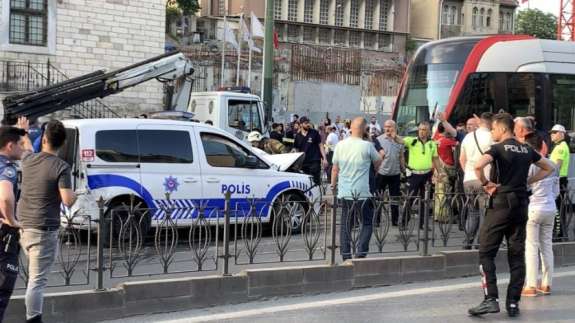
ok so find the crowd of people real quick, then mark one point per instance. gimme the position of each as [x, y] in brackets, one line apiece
[513, 172]
[34, 224]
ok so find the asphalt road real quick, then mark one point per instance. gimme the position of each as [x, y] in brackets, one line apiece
[432, 302]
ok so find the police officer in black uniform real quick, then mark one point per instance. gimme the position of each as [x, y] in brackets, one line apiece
[13, 143]
[506, 214]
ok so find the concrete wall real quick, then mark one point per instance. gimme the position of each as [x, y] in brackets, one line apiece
[313, 99]
[104, 34]
[168, 295]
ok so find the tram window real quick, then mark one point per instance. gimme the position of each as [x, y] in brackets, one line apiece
[520, 94]
[477, 97]
[563, 88]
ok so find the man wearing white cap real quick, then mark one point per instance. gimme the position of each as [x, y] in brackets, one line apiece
[560, 156]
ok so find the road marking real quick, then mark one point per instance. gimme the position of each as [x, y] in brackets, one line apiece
[340, 301]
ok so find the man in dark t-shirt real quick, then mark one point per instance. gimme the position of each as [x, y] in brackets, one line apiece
[46, 183]
[308, 141]
[506, 214]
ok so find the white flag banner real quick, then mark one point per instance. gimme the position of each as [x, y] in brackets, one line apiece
[229, 36]
[253, 46]
[246, 36]
[257, 27]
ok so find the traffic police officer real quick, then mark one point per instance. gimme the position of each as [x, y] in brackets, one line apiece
[560, 156]
[506, 214]
[11, 149]
[422, 159]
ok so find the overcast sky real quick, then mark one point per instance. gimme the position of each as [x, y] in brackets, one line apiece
[551, 6]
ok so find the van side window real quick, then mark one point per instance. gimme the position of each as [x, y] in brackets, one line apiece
[222, 152]
[165, 146]
[244, 115]
[117, 146]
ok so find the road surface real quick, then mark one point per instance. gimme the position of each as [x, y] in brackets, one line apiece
[438, 302]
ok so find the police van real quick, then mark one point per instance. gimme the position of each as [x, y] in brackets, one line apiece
[195, 163]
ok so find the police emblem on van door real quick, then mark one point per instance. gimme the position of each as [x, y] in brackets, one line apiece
[171, 184]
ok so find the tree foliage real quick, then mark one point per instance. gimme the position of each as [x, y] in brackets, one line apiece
[536, 23]
[186, 7]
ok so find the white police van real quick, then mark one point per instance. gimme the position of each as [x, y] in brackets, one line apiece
[194, 162]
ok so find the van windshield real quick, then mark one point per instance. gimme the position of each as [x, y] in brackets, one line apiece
[244, 115]
[69, 151]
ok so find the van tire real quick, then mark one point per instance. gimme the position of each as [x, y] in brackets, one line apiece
[120, 208]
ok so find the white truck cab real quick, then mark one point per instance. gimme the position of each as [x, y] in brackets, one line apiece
[235, 112]
[194, 162]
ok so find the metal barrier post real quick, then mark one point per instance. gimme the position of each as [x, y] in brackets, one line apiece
[100, 244]
[226, 256]
[426, 204]
[333, 246]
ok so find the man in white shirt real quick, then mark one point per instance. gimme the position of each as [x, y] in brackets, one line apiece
[330, 142]
[474, 145]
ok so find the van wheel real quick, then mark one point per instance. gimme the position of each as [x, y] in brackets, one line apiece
[118, 213]
[296, 206]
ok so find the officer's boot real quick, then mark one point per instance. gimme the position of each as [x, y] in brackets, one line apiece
[489, 305]
[512, 309]
[35, 319]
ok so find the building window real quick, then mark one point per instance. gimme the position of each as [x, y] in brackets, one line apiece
[309, 35]
[489, 14]
[369, 40]
[354, 13]
[445, 15]
[293, 33]
[29, 22]
[474, 21]
[222, 7]
[500, 20]
[339, 9]
[509, 24]
[308, 11]
[292, 10]
[324, 12]
[452, 16]
[368, 14]
[325, 36]
[482, 17]
[278, 10]
[340, 38]
[354, 39]
[383, 14]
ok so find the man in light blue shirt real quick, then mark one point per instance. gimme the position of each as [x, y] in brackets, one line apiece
[350, 175]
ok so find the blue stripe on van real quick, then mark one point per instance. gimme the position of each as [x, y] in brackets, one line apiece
[186, 208]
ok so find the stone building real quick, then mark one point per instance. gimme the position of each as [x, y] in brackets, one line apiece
[47, 41]
[436, 19]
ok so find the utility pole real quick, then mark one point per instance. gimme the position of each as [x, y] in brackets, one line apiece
[268, 59]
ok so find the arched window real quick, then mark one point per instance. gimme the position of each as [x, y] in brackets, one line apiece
[474, 18]
[488, 21]
[453, 14]
[482, 17]
[445, 15]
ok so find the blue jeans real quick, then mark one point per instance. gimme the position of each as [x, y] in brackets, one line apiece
[41, 248]
[358, 212]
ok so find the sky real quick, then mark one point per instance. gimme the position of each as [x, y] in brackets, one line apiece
[551, 6]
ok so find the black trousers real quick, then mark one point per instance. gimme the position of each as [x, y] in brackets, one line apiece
[560, 219]
[8, 269]
[314, 169]
[393, 184]
[416, 184]
[506, 218]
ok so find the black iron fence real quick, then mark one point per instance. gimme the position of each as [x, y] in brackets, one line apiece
[25, 76]
[131, 240]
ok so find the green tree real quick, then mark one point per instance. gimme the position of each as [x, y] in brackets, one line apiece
[536, 23]
[186, 7]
